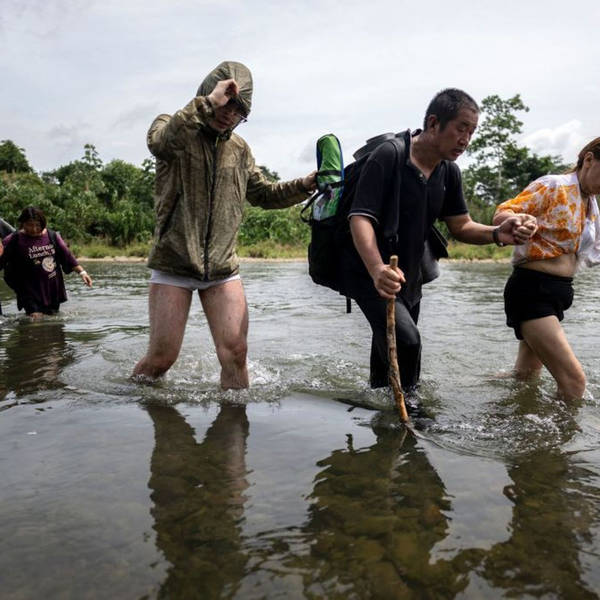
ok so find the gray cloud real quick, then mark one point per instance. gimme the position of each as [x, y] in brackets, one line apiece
[113, 65]
[142, 113]
[41, 18]
[67, 134]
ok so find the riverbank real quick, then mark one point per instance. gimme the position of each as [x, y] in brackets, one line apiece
[269, 251]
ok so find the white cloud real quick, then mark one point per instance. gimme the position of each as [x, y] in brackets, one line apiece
[565, 140]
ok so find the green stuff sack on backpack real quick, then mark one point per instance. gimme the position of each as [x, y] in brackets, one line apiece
[330, 177]
[324, 217]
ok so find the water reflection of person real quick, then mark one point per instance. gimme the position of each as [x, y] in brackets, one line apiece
[36, 353]
[375, 517]
[554, 512]
[198, 495]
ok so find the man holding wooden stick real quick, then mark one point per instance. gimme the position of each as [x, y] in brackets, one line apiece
[428, 188]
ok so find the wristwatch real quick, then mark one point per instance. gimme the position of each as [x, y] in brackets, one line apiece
[496, 238]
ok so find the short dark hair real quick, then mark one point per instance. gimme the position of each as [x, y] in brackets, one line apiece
[446, 105]
[31, 213]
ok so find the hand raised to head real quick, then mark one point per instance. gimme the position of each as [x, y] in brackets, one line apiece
[224, 91]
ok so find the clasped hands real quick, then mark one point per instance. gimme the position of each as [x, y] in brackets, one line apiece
[517, 228]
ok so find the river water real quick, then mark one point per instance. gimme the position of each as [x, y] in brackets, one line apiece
[306, 486]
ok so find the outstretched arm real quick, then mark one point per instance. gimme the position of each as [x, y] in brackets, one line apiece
[268, 194]
[514, 229]
[84, 275]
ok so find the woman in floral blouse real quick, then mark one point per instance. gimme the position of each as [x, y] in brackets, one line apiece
[540, 288]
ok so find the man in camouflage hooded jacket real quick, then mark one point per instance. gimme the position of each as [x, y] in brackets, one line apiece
[204, 174]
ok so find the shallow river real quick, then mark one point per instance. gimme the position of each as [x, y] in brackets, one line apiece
[110, 489]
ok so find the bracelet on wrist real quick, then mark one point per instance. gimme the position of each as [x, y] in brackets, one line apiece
[83, 272]
[495, 237]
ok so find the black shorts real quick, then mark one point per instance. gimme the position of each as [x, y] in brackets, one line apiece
[530, 294]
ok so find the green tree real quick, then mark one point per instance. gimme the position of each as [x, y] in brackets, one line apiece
[18, 190]
[270, 175]
[12, 158]
[495, 137]
[142, 189]
[91, 157]
[83, 174]
[501, 168]
[118, 177]
[281, 226]
[522, 166]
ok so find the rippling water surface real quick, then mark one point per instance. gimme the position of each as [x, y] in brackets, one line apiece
[305, 486]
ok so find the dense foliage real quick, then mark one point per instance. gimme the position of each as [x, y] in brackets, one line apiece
[87, 200]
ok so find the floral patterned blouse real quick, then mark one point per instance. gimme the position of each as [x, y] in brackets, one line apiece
[561, 213]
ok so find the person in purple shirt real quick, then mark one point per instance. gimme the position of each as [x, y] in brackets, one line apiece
[34, 259]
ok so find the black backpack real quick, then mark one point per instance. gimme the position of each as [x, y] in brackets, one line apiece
[330, 204]
[5, 229]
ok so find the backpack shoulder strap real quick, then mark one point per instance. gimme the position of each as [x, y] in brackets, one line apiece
[53, 240]
[400, 154]
[59, 251]
[391, 232]
[12, 244]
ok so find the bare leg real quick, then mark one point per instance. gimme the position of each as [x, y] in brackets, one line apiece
[528, 365]
[168, 307]
[226, 311]
[546, 339]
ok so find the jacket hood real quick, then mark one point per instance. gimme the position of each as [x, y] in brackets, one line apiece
[230, 70]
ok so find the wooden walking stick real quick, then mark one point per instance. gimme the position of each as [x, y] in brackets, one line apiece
[394, 373]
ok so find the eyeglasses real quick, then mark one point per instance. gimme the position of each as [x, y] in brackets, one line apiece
[234, 107]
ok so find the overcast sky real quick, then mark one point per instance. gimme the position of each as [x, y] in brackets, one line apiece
[87, 71]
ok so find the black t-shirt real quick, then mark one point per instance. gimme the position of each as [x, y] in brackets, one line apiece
[415, 207]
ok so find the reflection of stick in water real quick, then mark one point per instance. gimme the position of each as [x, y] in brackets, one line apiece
[394, 373]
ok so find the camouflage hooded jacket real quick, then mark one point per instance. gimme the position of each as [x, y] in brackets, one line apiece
[202, 182]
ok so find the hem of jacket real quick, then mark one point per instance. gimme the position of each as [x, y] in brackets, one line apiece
[215, 274]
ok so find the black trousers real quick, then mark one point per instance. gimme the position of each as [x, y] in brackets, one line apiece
[408, 341]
